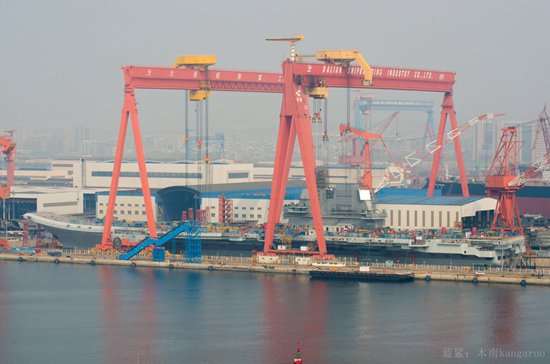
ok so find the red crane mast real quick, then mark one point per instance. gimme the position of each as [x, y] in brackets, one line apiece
[8, 149]
[296, 83]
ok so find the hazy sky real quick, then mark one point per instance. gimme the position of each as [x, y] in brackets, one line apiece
[60, 59]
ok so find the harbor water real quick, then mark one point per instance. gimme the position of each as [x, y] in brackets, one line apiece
[105, 314]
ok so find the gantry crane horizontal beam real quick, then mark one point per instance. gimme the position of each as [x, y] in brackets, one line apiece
[389, 78]
[365, 104]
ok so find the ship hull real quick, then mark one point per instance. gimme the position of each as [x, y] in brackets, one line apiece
[80, 236]
[75, 239]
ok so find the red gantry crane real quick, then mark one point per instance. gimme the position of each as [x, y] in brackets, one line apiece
[8, 149]
[298, 81]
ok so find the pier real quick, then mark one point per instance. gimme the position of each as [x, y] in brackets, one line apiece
[424, 272]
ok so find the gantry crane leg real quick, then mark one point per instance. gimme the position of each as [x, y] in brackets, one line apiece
[142, 170]
[128, 110]
[116, 173]
[458, 152]
[448, 110]
[294, 121]
[286, 167]
[274, 214]
[305, 139]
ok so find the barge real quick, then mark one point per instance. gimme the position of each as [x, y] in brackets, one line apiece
[362, 276]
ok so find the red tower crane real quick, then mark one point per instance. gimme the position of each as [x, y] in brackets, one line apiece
[366, 179]
[503, 171]
[503, 181]
[8, 149]
[380, 129]
[297, 82]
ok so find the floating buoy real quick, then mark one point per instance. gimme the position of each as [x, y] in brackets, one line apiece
[474, 280]
[298, 357]
[523, 282]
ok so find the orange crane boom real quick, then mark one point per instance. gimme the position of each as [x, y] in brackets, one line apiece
[367, 161]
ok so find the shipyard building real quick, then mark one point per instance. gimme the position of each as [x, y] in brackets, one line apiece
[77, 187]
[436, 212]
[250, 201]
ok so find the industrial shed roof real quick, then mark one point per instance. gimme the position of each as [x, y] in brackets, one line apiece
[427, 200]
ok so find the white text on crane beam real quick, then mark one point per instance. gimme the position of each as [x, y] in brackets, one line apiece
[381, 72]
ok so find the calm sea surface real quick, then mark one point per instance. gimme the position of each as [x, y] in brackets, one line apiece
[97, 314]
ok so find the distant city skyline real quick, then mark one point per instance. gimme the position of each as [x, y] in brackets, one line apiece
[83, 142]
[60, 62]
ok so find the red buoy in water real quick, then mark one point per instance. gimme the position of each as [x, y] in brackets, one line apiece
[298, 358]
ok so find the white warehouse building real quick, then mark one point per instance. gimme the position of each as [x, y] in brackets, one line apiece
[436, 212]
[161, 175]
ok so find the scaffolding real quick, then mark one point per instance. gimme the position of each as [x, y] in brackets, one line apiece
[193, 244]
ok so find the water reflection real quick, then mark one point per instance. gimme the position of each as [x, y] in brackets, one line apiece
[446, 315]
[123, 315]
[129, 327]
[4, 316]
[504, 318]
[295, 310]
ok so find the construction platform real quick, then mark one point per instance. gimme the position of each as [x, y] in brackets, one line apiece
[539, 277]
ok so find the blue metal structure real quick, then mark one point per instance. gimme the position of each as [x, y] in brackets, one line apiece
[365, 104]
[189, 227]
[193, 245]
[159, 254]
